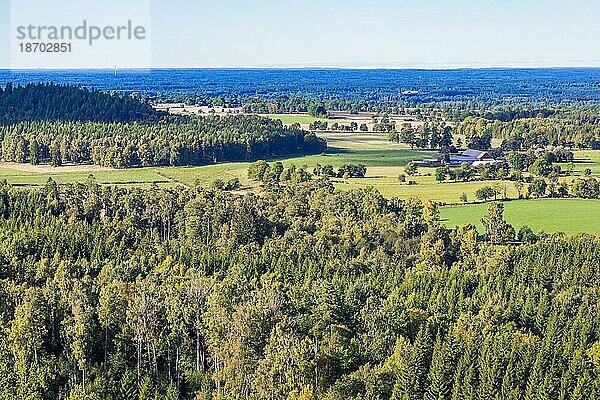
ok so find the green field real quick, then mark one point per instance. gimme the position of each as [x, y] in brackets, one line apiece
[289, 119]
[204, 175]
[384, 160]
[550, 215]
[303, 119]
[138, 176]
[585, 159]
[426, 188]
[373, 150]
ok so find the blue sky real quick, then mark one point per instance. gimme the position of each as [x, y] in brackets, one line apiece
[366, 34]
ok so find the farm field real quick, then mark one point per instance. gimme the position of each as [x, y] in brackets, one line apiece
[549, 215]
[205, 175]
[135, 177]
[426, 188]
[371, 149]
[386, 161]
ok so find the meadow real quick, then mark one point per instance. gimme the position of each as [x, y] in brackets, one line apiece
[137, 177]
[549, 215]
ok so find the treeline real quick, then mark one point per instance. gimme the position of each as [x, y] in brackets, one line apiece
[503, 114]
[261, 171]
[344, 171]
[295, 104]
[170, 141]
[47, 101]
[303, 292]
[283, 104]
[334, 126]
[435, 135]
[524, 134]
[455, 111]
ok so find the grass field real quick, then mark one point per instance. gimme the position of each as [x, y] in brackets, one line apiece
[373, 150]
[585, 159]
[384, 161]
[136, 177]
[204, 175]
[304, 119]
[550, 215]
[426, 188]
[289, 119]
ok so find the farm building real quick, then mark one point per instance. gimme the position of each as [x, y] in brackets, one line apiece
[469, 156]
[473, 158]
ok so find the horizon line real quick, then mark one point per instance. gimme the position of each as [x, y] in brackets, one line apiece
[291, 67]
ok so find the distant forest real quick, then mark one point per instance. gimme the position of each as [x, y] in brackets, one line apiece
[530, 87]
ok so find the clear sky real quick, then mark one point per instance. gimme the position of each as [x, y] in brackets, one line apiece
[336, 33]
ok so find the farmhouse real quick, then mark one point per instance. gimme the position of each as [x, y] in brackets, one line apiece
[469, 156]
[473, 158]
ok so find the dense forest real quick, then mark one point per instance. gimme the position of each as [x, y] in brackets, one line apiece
[303, 292]
[190, 141]
[520, 134]
[105, 130]
[47, 101]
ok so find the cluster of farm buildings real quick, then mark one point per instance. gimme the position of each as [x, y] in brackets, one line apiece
[474, 158]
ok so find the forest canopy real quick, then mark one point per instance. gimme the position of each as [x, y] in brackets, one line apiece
[299, 293]
[47, 101]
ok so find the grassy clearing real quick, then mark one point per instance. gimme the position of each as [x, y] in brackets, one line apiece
[371, 149]
[550, 215]
[289, 119]
[138, 176]
[303, 119]
[384, 161]
[205, 175]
